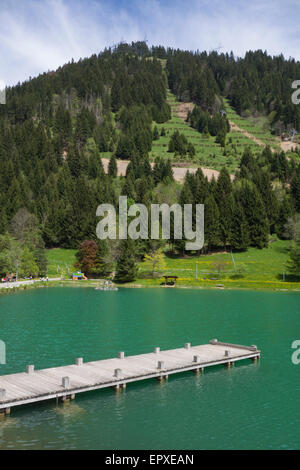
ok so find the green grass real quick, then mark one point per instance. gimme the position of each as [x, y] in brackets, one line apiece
[251, 269]
[208, 153]
[259, 127]
[60, 261]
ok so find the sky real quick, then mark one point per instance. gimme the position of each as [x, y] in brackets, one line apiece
[40, 35]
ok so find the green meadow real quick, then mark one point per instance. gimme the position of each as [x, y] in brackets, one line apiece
[253, 269]
[60, 261]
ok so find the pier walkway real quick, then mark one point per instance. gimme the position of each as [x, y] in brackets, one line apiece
[65, 382]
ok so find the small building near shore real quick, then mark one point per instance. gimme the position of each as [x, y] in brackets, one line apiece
[170, 281]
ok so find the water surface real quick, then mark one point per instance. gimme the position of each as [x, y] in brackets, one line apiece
[247, 407]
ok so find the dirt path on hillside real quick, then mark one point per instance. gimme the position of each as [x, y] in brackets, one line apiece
[179, 172]
[236, 128]
[285, 146]
[184, 108]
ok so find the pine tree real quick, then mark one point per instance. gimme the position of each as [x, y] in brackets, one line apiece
[104, 263]
[295, 190]
[155, 133]
[293, 264]
[3, 221]
[211, 223]
[126, 270]
[255, 214]
[285, 211]
[240, 232]
[112, 167]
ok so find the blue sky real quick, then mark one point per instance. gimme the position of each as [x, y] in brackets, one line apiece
[40, 35]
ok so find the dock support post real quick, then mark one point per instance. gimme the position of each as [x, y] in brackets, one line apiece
[121, 355]
[160, 366]
[229, 364]
[197, 359]
[119, 387]
[79, 361]
[30, 369]
[4, 412]
[254, 359]
[118, 374]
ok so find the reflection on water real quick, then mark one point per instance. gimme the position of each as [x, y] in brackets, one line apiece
[68, 410]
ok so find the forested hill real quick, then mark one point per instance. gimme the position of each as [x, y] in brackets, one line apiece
[55, 128]
[255, 83]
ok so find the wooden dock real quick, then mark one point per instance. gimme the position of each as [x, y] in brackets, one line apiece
[65, 382]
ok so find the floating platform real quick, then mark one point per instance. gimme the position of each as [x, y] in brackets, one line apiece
[65, 382]
[110, 288]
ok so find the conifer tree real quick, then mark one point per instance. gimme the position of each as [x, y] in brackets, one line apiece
[293, 264]
[126, 270]
[240, 232]
[112, 167]
[211, 223]
[104, 263]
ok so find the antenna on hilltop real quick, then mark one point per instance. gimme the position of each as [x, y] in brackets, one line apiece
[216, 49]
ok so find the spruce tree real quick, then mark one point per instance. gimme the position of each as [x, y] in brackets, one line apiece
[293, 264]
[126, 270]
[211, 223]
[240, 231]
[104, 262]
[112, 167]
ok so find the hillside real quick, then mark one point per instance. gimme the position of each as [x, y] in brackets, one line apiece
[135, 121]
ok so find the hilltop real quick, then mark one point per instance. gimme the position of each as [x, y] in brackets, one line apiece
[156, 125]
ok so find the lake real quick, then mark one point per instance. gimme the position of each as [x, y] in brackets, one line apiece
[250, 406]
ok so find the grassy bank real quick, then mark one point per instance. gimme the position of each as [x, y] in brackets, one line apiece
[253, 269]
[60, 261]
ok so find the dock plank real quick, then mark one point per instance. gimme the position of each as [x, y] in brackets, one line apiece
[40, 385]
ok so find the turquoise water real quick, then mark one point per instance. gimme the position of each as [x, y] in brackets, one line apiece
[247, 407]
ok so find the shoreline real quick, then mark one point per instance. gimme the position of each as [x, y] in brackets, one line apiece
[135, 285]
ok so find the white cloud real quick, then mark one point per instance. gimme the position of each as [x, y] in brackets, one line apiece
[38, 36]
